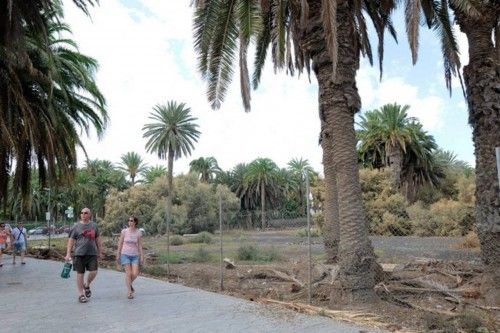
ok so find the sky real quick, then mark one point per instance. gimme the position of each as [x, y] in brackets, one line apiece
[146, 57]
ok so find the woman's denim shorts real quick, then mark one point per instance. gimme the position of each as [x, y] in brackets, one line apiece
[125, 259]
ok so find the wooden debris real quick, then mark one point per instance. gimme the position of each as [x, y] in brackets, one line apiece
[270, 273]
[358, 317]
[229, 263]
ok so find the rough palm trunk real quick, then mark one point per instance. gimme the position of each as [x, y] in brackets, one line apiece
[356, 277]
[395, 164]
[249, 219]
[331, 227]
[263, 205]
[482, 81]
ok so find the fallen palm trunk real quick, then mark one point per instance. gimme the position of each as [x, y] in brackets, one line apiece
[355, 317]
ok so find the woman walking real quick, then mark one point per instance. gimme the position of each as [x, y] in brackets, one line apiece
[4, 237]
[130, 253]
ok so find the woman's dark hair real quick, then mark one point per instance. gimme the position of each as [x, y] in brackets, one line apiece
[136, 220]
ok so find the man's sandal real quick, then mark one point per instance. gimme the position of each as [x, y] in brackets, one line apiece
[82, 299]
[88, 293]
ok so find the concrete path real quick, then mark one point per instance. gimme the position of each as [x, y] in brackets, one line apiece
[34, 298]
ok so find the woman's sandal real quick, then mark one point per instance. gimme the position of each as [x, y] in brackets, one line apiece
[130, 295]
[82, 299]
[88, 293]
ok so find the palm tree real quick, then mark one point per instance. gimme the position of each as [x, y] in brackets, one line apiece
[301, 169]
[248, 199]
[96, 181]
[171, 136]
[260, 179]
[332, 35]
[389, 138]
[479, 23]
[151, 173]
[387, 130]
[207, 168]
[54, 97]
[133, 164]
[478, 20]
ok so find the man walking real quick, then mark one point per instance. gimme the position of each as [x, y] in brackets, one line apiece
[84, 236]
[20, 241]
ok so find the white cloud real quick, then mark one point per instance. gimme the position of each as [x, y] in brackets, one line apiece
[425, 106]
[139, 68]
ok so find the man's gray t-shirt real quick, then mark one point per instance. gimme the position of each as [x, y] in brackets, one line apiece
[85, 238]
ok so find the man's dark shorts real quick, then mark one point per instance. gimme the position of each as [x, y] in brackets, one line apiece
[84, 263]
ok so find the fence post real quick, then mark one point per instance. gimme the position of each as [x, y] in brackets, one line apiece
[221, 252]
[309, 277]
[168, 243]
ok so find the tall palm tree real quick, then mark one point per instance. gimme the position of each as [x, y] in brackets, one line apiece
[54, 97]
[389, 138]
[260, 178]
[479, 21]
[133, 164]
[387, 129]
[207, 168]
[171, 136]
[301, 169]
[151, 173]
[332, 35]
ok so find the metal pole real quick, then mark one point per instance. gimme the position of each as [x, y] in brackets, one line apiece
[168, 242]
[221, 252]
[497, 150]
[50, 217]
[309, 277]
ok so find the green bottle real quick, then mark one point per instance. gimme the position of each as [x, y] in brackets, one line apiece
[66, 270]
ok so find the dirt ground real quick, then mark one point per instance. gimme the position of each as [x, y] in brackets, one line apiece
[417, 294]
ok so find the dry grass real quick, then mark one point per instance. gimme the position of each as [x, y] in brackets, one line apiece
[471, 241]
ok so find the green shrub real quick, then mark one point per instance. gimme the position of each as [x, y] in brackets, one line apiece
[269, 255]
[393, 225]
[303, 232]
[173, 258]
[253, 253]
[176, 240]
[248, 253]
[443, 218]
[155, 270]
[201, 255]
[202, 237]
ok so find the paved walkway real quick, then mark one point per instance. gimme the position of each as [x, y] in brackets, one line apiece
[35, 299]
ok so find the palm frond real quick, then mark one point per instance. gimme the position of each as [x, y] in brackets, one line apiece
[449, 46]
[262, 44]
[412, 17]
[329, 18]
[279, 10]
[222, 53]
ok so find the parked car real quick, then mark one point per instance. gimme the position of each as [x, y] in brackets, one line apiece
[63, 230]
[38, 231]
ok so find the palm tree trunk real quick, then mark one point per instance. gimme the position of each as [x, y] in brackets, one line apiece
[482, 81]
[395, 164]
[331, 226]
[263, 204]
[356, 277]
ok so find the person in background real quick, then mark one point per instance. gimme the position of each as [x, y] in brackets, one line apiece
[4, 245]
[20, 241]
[85, 238]
[130, 253]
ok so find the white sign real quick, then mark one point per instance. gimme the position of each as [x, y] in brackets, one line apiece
[47, 216]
